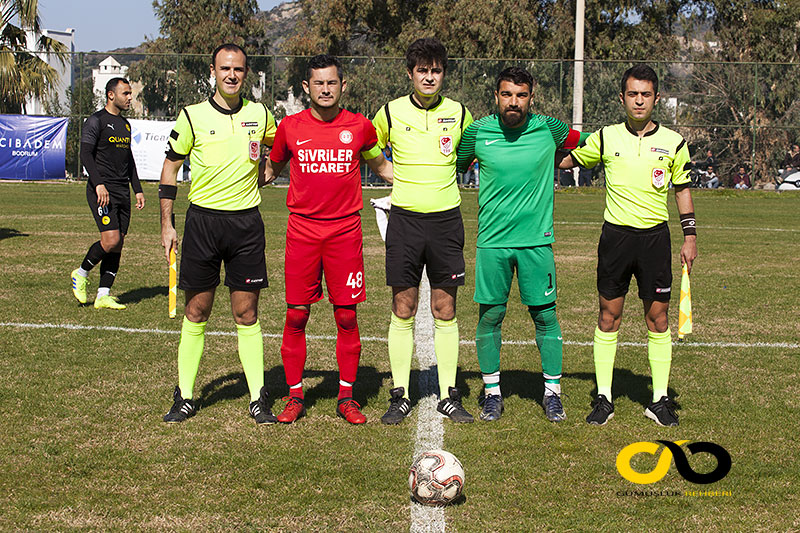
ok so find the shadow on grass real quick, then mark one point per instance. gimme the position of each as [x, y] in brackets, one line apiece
[461, 500]
[234, 385]
[530, 385]
[142, 293]
[7, 233]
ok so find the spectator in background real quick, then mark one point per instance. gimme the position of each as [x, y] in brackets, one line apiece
[585, 177]
[710, 161]
[741, 179]
[471, 176]
[712, 180]
[791, 163]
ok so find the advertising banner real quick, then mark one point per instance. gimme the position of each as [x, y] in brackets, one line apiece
[148, 143]
[32, 148]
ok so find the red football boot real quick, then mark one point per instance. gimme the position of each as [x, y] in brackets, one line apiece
[350, 411]
[295, 408]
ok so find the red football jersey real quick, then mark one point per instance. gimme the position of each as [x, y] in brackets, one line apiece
[325, 179]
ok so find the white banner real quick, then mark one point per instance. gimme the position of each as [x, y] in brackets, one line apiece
[148, 143]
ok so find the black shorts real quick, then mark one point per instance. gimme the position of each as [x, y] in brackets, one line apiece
[644, 253]
[417, 240]
[117, 214]
[211, 237]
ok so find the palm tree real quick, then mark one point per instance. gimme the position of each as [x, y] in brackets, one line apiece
[23, 73]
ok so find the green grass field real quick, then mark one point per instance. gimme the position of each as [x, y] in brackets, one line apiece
[83, 446]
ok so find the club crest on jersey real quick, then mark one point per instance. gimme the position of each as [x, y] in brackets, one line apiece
[446, 144]
[659, 175]
[345, 136]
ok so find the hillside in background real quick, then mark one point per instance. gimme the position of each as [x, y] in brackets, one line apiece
[281, 24]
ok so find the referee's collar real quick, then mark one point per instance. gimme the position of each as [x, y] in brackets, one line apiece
[416, 104]
[651, 132]
[224, 111]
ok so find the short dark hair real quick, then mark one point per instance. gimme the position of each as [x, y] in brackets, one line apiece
[426, 51]
[516, 75]
[324, 61]
[112, 84]
[229, 47]
[640, 72]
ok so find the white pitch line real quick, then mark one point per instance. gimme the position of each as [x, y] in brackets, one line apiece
[430, 430]
[79, 327]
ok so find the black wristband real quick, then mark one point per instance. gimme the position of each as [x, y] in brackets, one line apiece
[688, 224]
[167, 191]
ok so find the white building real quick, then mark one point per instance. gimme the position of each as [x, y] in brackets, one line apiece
[33, 106]
[107, 69]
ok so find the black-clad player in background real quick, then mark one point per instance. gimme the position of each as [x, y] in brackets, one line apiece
[106, 155]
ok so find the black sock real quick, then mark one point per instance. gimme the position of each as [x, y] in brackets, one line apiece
[108, 270]
[93, 256]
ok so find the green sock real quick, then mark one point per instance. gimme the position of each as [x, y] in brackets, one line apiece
[401, 349]
[659, 352]
[550, 343]
[251, 354]
[190, 350]
[488, 338]
[605, 348]
[445, 343]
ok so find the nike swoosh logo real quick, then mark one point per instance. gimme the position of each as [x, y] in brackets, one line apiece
[548, 293]
[491, 142]
[356, 295]
[300, 143]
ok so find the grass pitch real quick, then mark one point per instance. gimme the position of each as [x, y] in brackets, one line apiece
[83, 445]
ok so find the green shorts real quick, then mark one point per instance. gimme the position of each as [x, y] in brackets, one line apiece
[536, 274]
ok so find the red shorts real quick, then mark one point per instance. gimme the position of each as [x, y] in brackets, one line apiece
[332, 246]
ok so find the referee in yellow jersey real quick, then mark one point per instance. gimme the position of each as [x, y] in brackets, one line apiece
[641, 159]
[224, 137]
[425, 228]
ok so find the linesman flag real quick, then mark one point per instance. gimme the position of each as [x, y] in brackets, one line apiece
[173, 284]
[685, 314]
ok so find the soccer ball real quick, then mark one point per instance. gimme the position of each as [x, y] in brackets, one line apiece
[436, 478]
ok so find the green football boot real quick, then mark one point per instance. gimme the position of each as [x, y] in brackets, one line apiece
[79, 284]
[107, 302]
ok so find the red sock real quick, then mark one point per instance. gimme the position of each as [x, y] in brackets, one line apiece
[348, 348]
[293, 348]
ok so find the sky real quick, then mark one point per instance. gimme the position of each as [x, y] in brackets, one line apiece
[95, 29]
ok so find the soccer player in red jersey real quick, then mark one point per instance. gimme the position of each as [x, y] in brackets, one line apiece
[325, 145]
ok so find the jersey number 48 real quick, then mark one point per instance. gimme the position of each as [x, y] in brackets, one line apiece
[355, 281]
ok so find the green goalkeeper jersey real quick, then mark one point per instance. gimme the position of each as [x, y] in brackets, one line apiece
[516, 178]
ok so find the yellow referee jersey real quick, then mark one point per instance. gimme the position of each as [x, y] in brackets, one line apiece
[424, 143]
[224, 146]
[638, 171]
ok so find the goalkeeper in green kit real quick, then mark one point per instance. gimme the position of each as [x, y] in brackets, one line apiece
[516, 151]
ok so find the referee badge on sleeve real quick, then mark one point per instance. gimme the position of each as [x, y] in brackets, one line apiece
[659, 176]
[255, 150]
[446, 144]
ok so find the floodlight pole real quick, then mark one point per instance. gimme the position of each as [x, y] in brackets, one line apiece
[577, 83]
